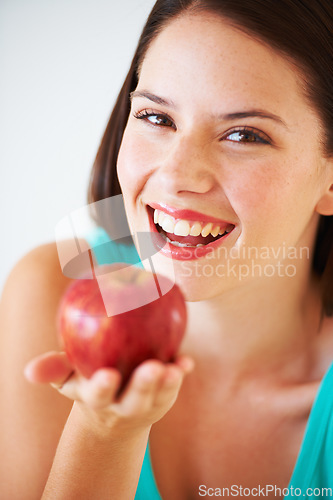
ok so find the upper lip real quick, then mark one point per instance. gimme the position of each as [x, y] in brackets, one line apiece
[186, 214]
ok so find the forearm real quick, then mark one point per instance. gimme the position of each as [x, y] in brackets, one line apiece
[95, 464]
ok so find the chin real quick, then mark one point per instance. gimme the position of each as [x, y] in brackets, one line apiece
[195, 286]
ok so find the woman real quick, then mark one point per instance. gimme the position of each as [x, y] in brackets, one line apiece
[224, 122]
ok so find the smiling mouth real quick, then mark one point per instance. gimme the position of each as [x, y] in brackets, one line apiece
[188, 233]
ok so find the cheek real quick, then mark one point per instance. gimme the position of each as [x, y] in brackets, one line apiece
[254, 188]
[271, 199]
[135, 162]
[127, 168]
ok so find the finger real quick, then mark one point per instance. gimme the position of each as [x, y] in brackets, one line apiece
[49, 367]
[97, 392]
[60, 383]
[170, 386]
[69, 386]
[140, 392]
[100, 390]
[186, 363]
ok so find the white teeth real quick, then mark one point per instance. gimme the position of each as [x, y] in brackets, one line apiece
[215, 231]
[182, 228]
[196, 229]
[207, 229]
[161, 216]
[178, 244]
[168, 224]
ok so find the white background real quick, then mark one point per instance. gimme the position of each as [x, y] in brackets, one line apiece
[62, 64]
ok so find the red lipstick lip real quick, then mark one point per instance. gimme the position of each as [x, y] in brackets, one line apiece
[181, 253]
[186, 214]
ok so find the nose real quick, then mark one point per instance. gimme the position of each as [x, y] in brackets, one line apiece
[187, 166]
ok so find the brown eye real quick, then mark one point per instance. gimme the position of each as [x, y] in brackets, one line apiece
[157, 119]
[160, 120]
[247, 136]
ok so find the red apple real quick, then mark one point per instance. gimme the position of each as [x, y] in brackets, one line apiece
[102, 322]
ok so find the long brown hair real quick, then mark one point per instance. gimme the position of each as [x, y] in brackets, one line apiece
[302, 30]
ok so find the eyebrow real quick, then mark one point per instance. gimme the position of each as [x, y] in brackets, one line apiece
[227, 117]
[254, 112]
[151, 97]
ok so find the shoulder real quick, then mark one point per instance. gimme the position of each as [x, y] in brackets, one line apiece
[30, 300]
[36, 275]
[42, 259]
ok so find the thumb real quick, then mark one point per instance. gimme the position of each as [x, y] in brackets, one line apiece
[49, 367]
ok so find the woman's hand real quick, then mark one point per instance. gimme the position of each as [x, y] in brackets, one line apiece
[149, 394]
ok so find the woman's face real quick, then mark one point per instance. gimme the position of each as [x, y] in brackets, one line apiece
[219, 126]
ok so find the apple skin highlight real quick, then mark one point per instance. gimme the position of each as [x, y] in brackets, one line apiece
[92, 339]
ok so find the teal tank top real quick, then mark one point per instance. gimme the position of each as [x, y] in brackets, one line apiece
[313, 471]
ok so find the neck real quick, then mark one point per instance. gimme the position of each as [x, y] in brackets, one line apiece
[258, 328]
